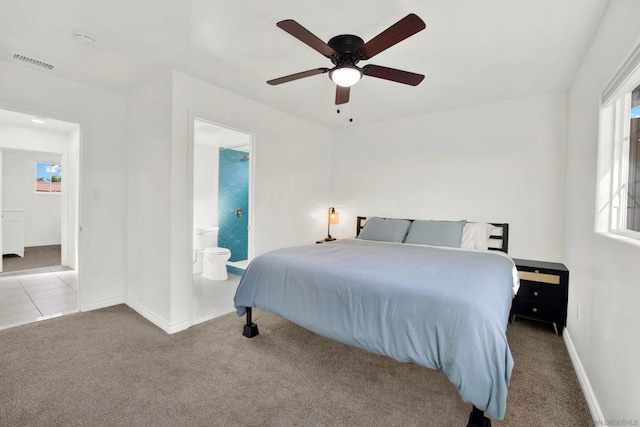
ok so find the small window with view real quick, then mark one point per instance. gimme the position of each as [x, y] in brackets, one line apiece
[48, 177]
[633, 178]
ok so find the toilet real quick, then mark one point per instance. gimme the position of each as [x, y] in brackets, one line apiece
[215, 263]
[210, 260]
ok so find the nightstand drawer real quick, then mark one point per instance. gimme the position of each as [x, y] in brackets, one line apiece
[535, 310]
[539, 291]
[535, 276]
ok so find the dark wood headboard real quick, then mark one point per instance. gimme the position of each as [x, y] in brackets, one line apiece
[503, 237]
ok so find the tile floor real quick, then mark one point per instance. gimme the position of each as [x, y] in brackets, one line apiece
[31, 295]
[212, 298]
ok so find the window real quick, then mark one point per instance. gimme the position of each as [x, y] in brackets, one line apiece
[619, 157]
[48, 177]
[633, 180]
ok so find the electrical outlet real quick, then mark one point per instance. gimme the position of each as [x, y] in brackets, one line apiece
[578, 311]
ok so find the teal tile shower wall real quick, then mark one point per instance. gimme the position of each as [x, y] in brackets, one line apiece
[233, 202]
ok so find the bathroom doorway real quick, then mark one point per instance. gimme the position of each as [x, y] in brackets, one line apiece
[222, 194]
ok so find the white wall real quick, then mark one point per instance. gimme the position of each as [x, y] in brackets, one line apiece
[41, 211]
[149, 200]
[205, 184]
[103, 119]
[499, 163]
[605, 272]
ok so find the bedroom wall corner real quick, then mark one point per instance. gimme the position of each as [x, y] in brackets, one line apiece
[604, 269]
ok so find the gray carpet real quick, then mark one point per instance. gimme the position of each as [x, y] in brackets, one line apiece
[34, 257]
[112, 367]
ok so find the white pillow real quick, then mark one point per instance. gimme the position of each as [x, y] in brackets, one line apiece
[475, 235]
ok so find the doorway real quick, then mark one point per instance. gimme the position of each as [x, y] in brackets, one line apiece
[39, 182]
[223, 162]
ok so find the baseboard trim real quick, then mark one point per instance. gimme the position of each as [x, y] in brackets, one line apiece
[101, 304]
[592, 402]
[170, 328]
[49, 243]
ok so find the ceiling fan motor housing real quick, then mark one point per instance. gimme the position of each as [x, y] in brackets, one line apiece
[347, 46]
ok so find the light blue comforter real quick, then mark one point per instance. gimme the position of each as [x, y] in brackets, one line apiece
[445, 309]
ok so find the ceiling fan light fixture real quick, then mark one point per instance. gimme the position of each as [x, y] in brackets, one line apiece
[346, 75]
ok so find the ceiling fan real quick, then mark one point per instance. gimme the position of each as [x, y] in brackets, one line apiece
[346, 50]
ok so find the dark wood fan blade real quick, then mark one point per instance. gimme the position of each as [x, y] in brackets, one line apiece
[297, 76]
[406, 27]
[306, 37]
[342, 94]
[392, 74]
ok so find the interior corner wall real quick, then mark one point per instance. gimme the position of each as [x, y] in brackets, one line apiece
[149, 221]
[103, 119]
[605, 272]
[291, 173]
[501, 162]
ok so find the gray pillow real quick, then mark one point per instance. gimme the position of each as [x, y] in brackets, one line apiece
[436, 233]
[385, 229]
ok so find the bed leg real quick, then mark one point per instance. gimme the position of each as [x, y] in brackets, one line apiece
[250, 329]
[477, 419]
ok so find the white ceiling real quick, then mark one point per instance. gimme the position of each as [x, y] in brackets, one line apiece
[472, 52]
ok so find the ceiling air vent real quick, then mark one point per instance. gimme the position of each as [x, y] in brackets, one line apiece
[32, 61]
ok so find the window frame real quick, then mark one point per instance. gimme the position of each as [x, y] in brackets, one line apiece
[50, 163]
[614, 141]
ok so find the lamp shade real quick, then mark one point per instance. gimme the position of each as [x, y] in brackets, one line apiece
[346, 75]
[334, 217]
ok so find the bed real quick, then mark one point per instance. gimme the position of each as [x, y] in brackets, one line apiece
[438, 306]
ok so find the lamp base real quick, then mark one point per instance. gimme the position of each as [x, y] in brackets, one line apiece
[329, 239]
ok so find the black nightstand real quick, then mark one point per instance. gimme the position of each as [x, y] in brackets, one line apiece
[543, 293]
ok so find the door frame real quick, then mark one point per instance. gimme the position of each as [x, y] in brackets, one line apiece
[78, 206]
[190, 172]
